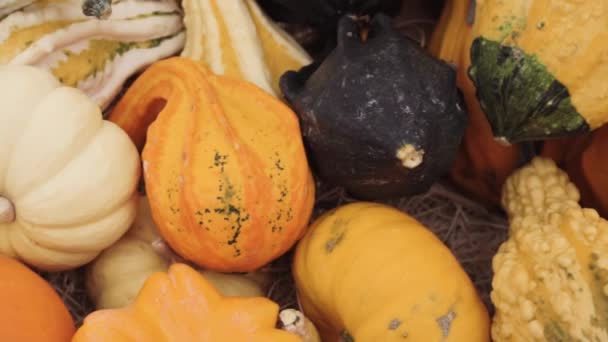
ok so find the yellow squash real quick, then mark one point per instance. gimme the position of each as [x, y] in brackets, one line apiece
[369, 272]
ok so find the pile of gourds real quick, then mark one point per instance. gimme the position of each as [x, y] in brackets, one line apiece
[550, 53]
[229, 137]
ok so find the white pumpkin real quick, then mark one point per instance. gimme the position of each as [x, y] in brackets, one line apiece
[68, 178]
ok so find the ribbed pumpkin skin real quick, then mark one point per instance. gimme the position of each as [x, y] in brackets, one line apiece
[482, 164]
[541, 66]
[225, 168]
[382, 276]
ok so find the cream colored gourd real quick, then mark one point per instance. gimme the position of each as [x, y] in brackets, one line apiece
[114, 279]
[235, 38]
[551, 275]
[96, 56]
[67, 178]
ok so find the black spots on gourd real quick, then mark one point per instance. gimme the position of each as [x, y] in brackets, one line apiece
[289, 214]
[172, 193]
[278, 163]
[232, 213]
[203, 219]
[283, 192]
[278, 178]
[219, 161]
[229, 208]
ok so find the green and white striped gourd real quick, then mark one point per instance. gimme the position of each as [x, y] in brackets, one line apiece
[96, 56]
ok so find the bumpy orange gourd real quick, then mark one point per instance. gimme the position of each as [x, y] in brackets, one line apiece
[30, 309]
[482, 164]
[369, 272]
[181, 305]
[224, 164]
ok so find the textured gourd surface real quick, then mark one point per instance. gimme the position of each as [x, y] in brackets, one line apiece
[551, 275]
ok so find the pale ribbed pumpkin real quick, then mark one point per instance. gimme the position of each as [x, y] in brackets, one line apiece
[369, 272]
[551, 276]
[68, 179]
[224, 164]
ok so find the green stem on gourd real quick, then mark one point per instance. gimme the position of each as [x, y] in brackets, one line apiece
[7, 210]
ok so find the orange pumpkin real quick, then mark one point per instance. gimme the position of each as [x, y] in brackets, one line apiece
[30, 309]
[181, 305]
[482, 164]
[224, 164]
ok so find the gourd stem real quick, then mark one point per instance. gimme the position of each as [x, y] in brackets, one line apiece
[409, 156]
[7, 210]
[295, 322]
